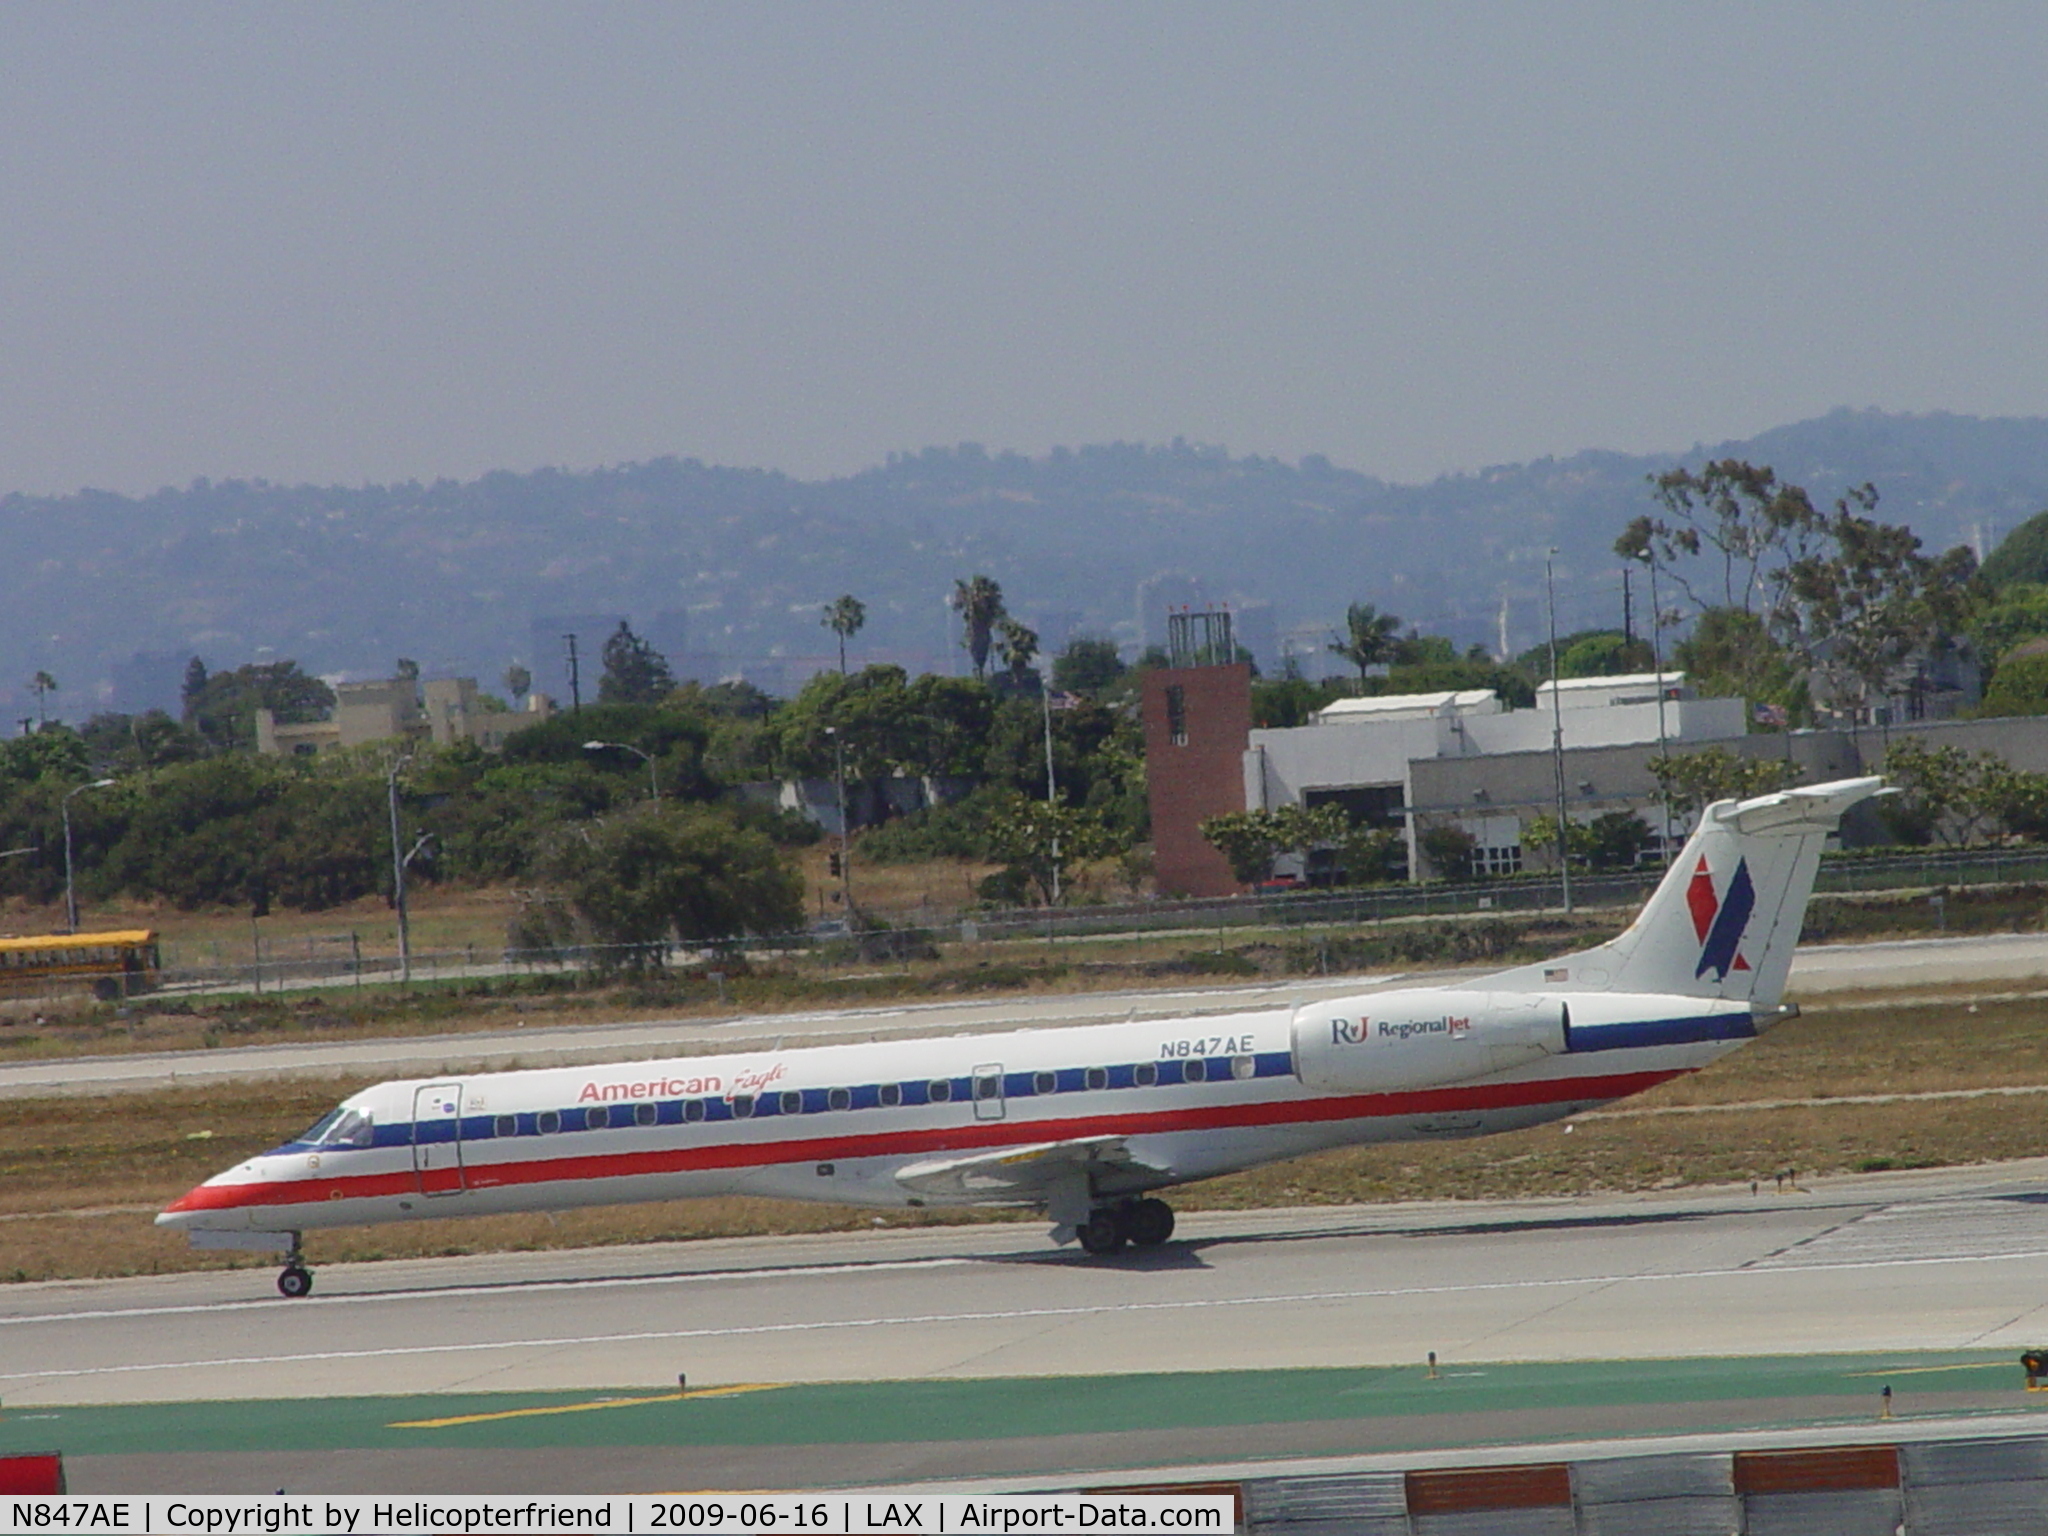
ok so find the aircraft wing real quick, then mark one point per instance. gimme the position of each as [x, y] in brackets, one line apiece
[1021, 1173]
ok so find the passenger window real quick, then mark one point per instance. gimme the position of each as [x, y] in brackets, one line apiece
[1145, 1074]
[792, 1103]
[1046, 1082]
[1242, 1067]
[693, 1110]
[742, 1106]
[941, 1089]
[645, 1114]
[988, 1087]
[839, 1098]
[1098, 1077]
[547, 1122]
[891, 1094]
[596, 1118]
[1194, 1069]
[507, 1125]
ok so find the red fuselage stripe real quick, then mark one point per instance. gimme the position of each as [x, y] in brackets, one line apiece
[955, 1138]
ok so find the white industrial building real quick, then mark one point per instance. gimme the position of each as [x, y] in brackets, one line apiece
[1385, 760]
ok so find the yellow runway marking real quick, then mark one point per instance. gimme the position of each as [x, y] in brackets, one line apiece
[1931, 1370]
[603, 1402]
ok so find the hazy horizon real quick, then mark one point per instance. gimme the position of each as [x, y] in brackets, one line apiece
[372, 245]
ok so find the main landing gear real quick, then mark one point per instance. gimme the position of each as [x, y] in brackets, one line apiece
[1146, 1223]
[295, 1280]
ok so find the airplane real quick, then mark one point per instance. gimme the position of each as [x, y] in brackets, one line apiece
[1084, 1123]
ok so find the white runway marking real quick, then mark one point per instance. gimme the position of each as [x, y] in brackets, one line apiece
[510, 1287]
[930, 1319]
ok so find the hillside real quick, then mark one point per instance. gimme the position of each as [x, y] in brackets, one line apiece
[726, 568]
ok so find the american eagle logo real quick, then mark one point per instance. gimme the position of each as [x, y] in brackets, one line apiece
[1719, 920]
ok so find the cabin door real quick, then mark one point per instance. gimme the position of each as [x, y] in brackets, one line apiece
[437, 1138]
[988, 1093]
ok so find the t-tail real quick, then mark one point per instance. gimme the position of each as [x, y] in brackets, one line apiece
[1725, 920]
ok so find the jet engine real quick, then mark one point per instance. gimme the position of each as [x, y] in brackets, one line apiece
[1394, 1040]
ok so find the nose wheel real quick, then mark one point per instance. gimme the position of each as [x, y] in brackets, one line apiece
[1145, 1223]
[295, 1280]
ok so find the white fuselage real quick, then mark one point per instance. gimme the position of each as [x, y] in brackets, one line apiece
[1181, 1100]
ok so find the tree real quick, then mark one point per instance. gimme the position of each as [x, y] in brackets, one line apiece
[632, 883]
[1857, 609]
[844, 616]
[1731, 512]
[1252, 840]
[1040, 841]
[2021, 556]
[1088, 665]
[1730, 654]
[1369, 639]
[1692, 781]
[518, 683]
[634, 671]
[979, 602]
[223, 709]
[2019, 688]
[1946, 794]
[1017, 644]
[1447, 849]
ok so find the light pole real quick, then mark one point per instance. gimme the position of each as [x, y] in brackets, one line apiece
[845, 831]
[399, 859]
[1564, 855]
[653, 782]
[70, 889]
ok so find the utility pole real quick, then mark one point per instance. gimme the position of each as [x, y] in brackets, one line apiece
[575, 677]
[1564, 857]
[1663, 747]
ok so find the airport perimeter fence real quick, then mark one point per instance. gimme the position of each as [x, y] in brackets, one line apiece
[339, 961]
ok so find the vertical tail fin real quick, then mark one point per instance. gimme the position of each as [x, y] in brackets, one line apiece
[1726, 918]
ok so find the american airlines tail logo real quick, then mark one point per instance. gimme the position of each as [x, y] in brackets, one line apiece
[1719, 920]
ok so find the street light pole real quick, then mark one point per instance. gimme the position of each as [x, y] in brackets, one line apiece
[70, 888]
[845, 830]
[653, 768]
[1564, 854]
[398, 862]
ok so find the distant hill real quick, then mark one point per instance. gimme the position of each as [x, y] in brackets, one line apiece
[726, 569]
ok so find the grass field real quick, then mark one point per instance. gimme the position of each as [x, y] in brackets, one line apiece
[80, 1179]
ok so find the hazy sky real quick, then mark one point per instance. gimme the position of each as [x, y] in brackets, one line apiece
[351, 242]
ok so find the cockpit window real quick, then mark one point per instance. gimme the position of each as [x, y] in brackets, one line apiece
[353, 1129]
[343, 1127]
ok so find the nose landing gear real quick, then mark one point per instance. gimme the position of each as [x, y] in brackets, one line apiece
[1146, 1223]
[295, 1280]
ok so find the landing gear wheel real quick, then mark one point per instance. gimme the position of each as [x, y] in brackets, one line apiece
[1149, 1222]
[295, 1281]
[1102, 1233]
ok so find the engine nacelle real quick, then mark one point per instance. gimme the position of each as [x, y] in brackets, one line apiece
[1393, 1040]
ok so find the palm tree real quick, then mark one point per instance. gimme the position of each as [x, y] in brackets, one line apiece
[979, 603]
[1016, 642]
[1371, 638]
[43, 684]
[844, 617]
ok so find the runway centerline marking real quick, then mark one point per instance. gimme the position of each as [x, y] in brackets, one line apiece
[930, 1319]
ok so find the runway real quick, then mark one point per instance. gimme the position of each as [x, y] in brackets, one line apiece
[1995, 960]
[1772, 1308]
[1949, 1259]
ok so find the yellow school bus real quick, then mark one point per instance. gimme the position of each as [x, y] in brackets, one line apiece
[117, 964]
